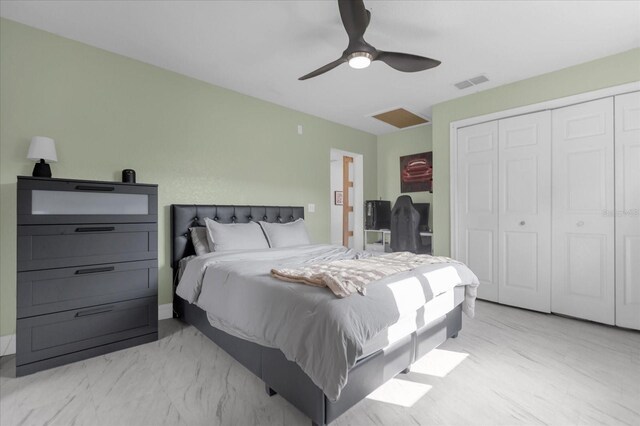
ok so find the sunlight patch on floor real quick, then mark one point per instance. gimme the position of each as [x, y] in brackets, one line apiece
[400, 392]
[438, 362]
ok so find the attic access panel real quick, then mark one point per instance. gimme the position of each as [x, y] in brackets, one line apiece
[400, 118]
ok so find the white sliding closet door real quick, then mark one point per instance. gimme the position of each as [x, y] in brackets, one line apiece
[477, 201]
[583, 192]
[525, 211]
[627, 148]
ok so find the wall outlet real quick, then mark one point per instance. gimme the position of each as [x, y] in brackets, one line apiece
[311, 208]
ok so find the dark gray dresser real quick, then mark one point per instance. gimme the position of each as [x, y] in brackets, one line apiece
[87, 269]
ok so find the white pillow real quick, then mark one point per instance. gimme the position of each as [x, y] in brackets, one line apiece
[235, 236]
[199, 240]
[286, 234]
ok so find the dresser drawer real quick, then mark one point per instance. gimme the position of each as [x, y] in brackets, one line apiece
[48, 336]
[59, 246]
[47, 201]
[48, 291]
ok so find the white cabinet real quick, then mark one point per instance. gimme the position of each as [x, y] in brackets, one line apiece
[627, 211]
[524, 218]
[477, 199]
[583, 233]
[547, 209]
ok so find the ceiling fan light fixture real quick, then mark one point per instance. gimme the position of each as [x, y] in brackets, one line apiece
[359, 60]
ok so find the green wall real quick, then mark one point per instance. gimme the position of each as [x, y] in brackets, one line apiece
[205, 144]
[390, 148]
[200, 143]
[605, 72]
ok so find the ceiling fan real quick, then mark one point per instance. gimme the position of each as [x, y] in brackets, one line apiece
[360, 54]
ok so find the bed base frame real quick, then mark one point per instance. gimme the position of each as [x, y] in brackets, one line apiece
[286, 377]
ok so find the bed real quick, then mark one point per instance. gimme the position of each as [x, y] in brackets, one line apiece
[402, 338]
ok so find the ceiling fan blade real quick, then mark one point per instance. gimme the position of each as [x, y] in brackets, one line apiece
[406, 62]
[355, 17]
[324, 69]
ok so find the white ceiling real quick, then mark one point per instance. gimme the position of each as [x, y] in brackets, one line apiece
[260, 48]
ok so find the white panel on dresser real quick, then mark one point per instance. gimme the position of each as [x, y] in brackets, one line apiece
[524, 211]
[583, 193]
[627, 210]
[477, 200]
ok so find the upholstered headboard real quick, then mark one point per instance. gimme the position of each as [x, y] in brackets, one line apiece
[185, 216]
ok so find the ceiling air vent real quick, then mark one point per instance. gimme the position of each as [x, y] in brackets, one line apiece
[471, 82]
[463, 84]
[400, 118]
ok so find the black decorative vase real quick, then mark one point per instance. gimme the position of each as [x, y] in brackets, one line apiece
[129, 176]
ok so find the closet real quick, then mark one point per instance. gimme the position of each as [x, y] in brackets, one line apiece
[547, 209]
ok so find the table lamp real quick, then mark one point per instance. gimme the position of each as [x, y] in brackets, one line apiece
[42, 148]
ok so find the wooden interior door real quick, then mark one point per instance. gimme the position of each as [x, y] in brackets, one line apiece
[524, 228]
[477, 200]
[627, 215]
[347, 200]
[583, 246]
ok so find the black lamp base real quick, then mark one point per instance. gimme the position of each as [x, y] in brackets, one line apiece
[42, 169]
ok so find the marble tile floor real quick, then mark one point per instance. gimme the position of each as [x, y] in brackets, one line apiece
[507, 367]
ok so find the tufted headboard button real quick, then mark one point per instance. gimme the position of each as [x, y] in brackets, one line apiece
[233, 218]
[264, 217]
[195, 218]
[186, 234]
[215, 218]
[290, 217]
[249, 217]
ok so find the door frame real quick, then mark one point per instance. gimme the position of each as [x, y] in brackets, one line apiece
[336, 154]
[512, 112]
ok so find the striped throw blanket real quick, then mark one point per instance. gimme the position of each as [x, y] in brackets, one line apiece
[345, 277]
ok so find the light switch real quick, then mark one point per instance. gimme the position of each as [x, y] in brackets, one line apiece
[311, 208]
[299, 129]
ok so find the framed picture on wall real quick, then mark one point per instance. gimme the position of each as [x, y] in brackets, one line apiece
[416, 172]
[337, 198]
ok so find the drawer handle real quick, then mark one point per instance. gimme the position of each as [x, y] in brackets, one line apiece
[95, 311]
[95, 270]
[94, 188]
[97, 229]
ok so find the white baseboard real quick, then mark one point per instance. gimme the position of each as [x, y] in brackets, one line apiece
[8, 345]
[165, 311]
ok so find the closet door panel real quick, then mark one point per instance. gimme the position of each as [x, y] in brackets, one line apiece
[582, 200]
[477, 201]
[525, 211]
[627, 214]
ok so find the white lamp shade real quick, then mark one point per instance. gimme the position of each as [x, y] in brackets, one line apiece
[43, 148]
